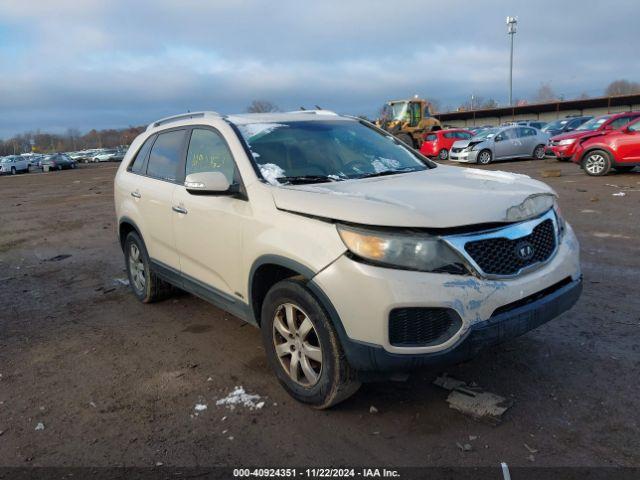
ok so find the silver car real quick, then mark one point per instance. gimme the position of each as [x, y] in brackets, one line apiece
[501, 143]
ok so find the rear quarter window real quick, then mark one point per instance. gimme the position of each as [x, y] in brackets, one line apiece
[431, 137]
[141, 156]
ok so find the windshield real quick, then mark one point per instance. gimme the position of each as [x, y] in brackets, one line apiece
[487, 133]
[557, 125]
[593, 124]
[324, 151]
[396, 111]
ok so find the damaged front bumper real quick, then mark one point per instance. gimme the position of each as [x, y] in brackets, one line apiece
[490, 311]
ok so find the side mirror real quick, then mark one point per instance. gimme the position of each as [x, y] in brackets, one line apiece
[499, 138]
[209, 183]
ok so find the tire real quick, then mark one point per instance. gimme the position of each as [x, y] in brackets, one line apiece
[13, 170]
[406, 139]
[624, 168]
[146, 285]
[596, 163]
[485, 157]
[539, 152]
[443, 154]
[328, 378]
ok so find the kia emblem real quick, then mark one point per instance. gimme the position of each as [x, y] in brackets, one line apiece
[525, 251]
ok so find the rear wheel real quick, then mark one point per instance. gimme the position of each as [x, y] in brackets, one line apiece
[596, 163]
[145, 284]
[485, 157]
[406, 139]
[303, 348]
[539, 152]
[13, 170]
[444, 154]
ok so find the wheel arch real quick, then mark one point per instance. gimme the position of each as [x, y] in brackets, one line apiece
[125, 226]
[592, 148]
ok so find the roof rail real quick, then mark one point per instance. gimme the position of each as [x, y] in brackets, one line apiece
[316, 112]
[182, 116]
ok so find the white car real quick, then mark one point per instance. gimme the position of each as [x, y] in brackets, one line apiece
[111, 155]
[14, 164]
[356, 256]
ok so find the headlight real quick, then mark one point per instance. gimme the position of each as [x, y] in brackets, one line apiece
[562, 225]
[471, 147]
[567, 141]
[411, 251]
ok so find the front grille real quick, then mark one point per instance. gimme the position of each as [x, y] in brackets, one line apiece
[422, 327]
[502, 256]
[457, 150]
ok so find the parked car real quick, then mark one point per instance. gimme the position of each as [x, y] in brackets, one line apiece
[564, 125]
[356, 256]
[500, 143]
[58, 161]
[14, 164]
[526, 123]
[563, 146]
[618, 149]
[479, 130]
[438, 144]
[109, 155]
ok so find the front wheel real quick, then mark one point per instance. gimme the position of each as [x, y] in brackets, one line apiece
[303, 348]
[13, 170]
[485, 157]
[596, 163]
[444, 154]
[539, 152]
[406, 139]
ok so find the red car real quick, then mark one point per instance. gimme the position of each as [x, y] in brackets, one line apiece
[563, 146]
[618, 149]
[438, 144]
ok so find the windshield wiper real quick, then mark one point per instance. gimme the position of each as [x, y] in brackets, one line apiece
[388, 172]
[307, 179]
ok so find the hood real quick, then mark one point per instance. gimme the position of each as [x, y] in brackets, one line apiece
[466, 143]
[573, 134]
[442, 197]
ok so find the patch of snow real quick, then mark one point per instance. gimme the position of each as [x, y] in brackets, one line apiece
[39, 426]
[238, 397]
[381, 164]
[200, 407]
[619, 194]
[271, 172]
[251, 131]
[121, 281]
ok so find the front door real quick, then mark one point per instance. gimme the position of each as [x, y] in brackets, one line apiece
[628, 143]
[208, 228]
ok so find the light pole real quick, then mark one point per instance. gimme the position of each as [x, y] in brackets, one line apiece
[512, 22]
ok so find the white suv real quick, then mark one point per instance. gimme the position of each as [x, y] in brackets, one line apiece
[355, 255]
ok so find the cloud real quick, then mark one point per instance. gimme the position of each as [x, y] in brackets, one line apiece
[101, 64]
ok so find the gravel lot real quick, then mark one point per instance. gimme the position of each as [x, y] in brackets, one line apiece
[115, 382]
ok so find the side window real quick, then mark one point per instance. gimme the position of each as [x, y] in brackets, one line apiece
[141, 156]
[165, 156]
[450, 135]
[464, 135]
[634, 127]
[619, 122]
[510, 134]
[431, 137]
[208, 152]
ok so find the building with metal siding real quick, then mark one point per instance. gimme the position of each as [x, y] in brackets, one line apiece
[545, 112]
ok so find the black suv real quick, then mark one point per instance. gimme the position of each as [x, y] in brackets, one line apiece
[565, 124]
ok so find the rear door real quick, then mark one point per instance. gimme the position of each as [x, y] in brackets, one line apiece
[154, 191]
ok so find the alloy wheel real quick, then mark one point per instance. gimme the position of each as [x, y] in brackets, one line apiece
[539, 153]
[484, 157]
[297, 344]
[136, 268]
[595, 164]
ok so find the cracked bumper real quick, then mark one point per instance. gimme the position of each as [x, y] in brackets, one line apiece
[362, 297]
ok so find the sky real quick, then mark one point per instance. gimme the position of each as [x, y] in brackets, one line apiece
[114, 63]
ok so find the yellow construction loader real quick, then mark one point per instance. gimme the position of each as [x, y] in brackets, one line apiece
[408, 120]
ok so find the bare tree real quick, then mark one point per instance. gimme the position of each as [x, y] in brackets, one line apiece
[262, 106]
[622, 87]
[583, 96]
[545, 93]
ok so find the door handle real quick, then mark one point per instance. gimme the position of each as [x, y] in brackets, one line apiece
[179, 210]
[136, 194]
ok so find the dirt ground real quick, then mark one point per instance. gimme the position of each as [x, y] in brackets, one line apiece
[115, 382]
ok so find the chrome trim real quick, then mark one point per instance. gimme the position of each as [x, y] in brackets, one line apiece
[510, 232]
